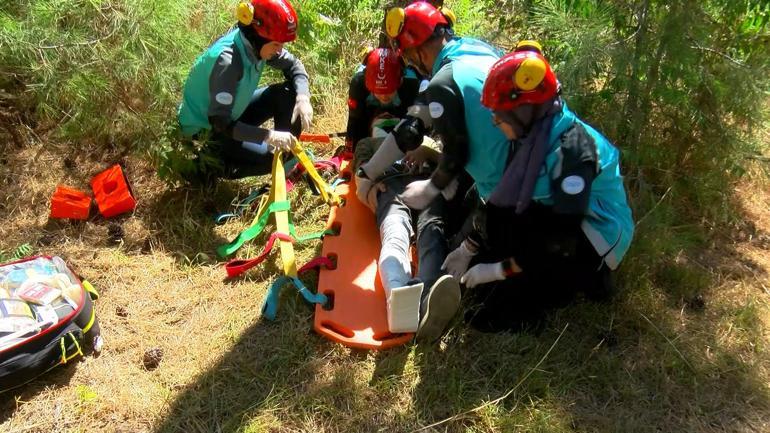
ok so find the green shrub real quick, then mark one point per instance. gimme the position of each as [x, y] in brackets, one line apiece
[678, 86]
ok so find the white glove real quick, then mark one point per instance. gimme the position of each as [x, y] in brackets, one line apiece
[281, 140]
[457, 261]
[304, 110]
[483, 273]
[418, 194]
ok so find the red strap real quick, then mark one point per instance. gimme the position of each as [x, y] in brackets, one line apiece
[321, 164]
[316, 138]
[317, 263]
[236, 268]
[337, 161]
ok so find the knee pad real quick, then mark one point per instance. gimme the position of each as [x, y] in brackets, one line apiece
[409, 133]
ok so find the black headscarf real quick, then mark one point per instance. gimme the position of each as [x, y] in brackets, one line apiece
[256, 41]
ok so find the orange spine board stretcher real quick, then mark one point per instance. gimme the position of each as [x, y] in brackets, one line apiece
[358, 317]
[70, 203]
[112, 192]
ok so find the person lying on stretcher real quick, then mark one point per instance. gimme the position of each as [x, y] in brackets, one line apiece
[408, 310]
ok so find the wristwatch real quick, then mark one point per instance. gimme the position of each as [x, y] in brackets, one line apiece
[361, 173]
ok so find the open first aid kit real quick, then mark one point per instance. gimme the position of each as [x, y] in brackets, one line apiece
[47, 318]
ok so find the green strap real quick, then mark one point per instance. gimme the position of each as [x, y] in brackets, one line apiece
[253, 231]
[316, 235]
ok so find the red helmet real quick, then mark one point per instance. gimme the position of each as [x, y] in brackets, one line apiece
[521, 77]
[274, 20]
[413, 25]
[383, 72]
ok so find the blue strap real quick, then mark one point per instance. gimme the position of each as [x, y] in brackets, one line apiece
[336, 182]
[225, 217]
[290, 164]
[242, 205]
[270, 308]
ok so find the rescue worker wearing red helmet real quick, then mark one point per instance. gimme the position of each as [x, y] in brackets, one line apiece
[223, 104]
[451, 107]
[380, 93]
[381, 87]
[558, 221]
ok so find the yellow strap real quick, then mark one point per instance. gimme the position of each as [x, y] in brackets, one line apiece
[278, 193]
[77, 345]
[63, 350]
[91, 320]
[78, 352]
[90, 289]
[327, 193]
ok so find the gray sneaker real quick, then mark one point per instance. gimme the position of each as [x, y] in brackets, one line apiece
[438, 308]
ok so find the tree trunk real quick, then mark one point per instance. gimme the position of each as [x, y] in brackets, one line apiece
[632, 102]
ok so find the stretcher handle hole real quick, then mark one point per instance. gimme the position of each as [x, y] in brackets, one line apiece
[385, 336]
[337, 329]
[336, 228]
[329, 305]
[333, 257]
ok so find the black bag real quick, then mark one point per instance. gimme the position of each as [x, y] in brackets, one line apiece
[64, 328]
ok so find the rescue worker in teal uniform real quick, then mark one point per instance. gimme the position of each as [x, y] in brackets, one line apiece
[451, 108]
[558, 222]
[223, 104]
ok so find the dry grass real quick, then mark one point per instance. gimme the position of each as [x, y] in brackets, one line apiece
[649, 361]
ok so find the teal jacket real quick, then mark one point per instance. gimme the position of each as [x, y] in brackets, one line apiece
[223, 79]
[607, 223]
[470, 139]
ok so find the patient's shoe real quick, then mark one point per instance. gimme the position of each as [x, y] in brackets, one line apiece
[404, 307]
[437, 309]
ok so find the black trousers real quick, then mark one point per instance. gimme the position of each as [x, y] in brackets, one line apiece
[276, 102]
[557, 260]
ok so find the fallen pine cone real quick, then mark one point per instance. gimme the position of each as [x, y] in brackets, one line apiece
[152, 358]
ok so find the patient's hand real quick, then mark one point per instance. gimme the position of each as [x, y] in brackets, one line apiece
[371, 198]
[415, 159]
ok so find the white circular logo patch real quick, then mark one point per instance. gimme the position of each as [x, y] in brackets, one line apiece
[423, 85]
[573, 185]
[436, 110]
[224, 98]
